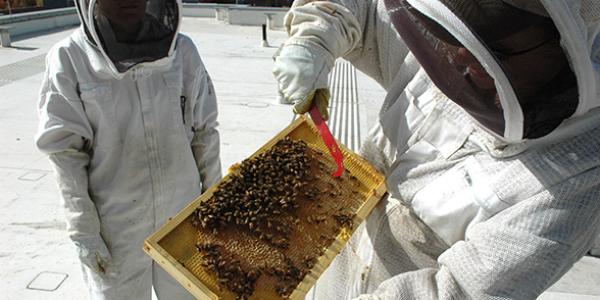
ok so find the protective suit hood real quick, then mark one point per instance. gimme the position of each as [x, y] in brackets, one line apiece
[153, 46]
[555, 110]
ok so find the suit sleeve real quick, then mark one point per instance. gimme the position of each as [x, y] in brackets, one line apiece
[206, 141]
[64, 134]
[517, 254]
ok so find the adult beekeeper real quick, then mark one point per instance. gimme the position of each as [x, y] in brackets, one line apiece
[489, 140]
[128, 119]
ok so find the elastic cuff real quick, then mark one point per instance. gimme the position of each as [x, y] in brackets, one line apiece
[313, 47]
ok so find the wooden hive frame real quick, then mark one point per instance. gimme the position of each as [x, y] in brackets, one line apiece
[299, 129]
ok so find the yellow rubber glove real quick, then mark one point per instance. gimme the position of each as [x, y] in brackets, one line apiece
[320, 98]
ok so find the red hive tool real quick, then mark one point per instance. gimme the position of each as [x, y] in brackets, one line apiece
[328, 139]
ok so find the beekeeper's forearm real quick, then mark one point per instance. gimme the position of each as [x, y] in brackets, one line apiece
[70, 168]
[332, 26]
[206, 141]
[357, 30]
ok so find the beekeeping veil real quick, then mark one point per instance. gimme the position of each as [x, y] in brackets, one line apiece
[154, 42]
[513, 103]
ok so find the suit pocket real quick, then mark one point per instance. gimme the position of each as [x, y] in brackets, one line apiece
[458, 199]
[100, 109]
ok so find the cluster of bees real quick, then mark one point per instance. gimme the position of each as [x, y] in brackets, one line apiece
[230, 273]
[261, 199]
[262, 196]
[228, 270]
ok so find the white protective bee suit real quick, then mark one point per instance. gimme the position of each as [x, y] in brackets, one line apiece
[130, 130]
[476, 209]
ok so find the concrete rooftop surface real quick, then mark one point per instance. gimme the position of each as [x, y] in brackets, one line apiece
[37, 260]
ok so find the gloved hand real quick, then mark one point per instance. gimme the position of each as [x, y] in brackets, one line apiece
[302, 74]
[94, 254]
